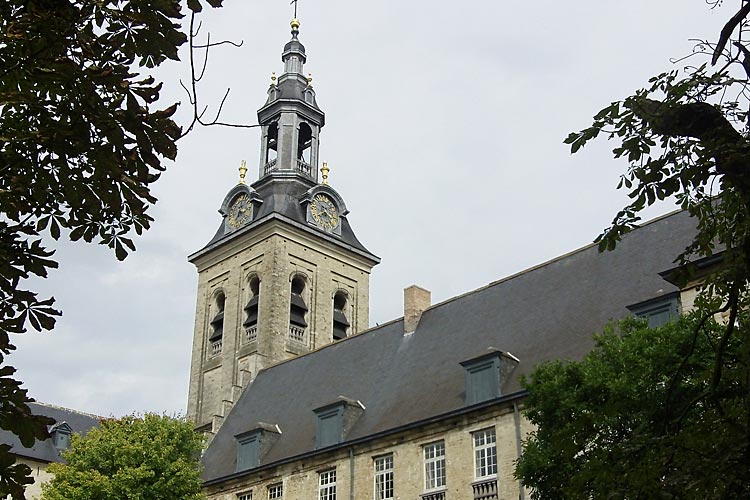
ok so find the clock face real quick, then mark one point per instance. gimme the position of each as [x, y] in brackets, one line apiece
[324, 212]
[240, 211]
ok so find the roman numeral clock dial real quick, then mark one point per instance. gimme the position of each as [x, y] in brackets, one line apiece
[240, 211]
[324, 212]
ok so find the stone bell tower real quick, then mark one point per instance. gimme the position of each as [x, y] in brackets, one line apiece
[284, 273]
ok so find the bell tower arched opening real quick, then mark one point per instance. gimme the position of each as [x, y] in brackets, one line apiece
[340, 322]
[297, 311]
[304, 144]
[272, 143]
[217, 325]
[250, 325]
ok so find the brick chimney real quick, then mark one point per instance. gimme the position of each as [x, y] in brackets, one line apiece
[416, 300]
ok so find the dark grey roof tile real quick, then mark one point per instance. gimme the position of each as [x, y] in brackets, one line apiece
[548, 312]
[45, 451]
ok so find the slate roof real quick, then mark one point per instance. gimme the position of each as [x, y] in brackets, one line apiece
[547, 312]
[281, 197]
[45, 451]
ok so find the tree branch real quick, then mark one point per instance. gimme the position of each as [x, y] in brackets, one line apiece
[705, 122]
[726, 32]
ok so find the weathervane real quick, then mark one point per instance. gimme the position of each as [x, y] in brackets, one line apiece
[295, 7]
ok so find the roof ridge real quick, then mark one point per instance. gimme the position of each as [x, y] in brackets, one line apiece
[56, 407]
[545, 263]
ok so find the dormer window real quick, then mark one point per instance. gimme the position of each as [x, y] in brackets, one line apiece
[217, 326]
[248, 450]
[61, 435]
[659, 311]
[334, 421]
[250, 324]
[253, 444]
[297, 311]
[485, 374]
[340, 323]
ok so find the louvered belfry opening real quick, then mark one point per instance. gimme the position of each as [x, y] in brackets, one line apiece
[217, 326]
[250, 324]
[340, 322]
[297, 311]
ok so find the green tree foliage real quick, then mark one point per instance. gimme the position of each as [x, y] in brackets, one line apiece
[665, 414]
[149, 458]
[621, 424]
[82, 138]
[686, 136]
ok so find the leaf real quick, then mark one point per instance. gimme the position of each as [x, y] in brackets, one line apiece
[54, 228]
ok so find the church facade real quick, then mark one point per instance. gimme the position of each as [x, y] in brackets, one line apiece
[303, 401]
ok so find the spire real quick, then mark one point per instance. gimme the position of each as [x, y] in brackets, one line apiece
[291, 119]
[294, 56]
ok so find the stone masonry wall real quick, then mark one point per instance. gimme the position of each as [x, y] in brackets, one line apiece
[275, 254]
[299, 478]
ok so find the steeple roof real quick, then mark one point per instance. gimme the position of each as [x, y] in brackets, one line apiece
[288, 173]
[292, 85]
[293, 45]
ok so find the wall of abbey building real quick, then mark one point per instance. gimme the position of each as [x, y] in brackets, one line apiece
[355, 465]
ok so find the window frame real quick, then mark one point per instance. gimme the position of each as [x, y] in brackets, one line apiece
[327, 490]
[383, 477]
[275, 490]
[488, 452]
[434, 466]
[245, 495]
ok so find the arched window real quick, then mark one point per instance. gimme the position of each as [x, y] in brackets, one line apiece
[340, 323]
[304, 145]
[251, 311]
[217, 326]
[272, 141]
[297, 311]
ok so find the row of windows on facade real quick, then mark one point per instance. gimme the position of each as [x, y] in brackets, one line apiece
[297, 313]
[435, 478]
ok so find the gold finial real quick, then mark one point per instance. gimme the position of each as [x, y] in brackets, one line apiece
[324, 170]
[273, 78]
[309, 79]
[243, 171]
[294, 24]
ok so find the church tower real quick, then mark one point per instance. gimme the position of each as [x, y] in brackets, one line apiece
[284, 273]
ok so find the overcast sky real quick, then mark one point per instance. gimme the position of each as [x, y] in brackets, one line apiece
[444, 129]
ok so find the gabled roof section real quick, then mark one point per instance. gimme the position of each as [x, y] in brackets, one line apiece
[548, 312]
[45, 451]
